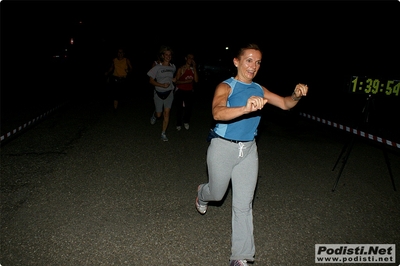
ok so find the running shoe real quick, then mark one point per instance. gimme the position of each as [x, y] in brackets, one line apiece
[238, 263]
[153, 119]
[178, 128]
[164, 137]
[202, 209]
[186, 125]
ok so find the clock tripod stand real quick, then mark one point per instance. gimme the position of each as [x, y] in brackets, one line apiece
[344, 154]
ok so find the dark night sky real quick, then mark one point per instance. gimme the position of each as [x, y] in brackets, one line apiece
[320, 40]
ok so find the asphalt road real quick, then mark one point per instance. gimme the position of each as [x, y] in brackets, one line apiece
[87, 186]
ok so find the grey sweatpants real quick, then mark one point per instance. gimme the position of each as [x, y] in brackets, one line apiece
[228, 161]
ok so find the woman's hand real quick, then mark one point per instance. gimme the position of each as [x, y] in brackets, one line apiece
[255, 103]
[300, 90]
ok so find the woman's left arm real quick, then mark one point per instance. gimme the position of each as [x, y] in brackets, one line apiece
[195, 75]
[128, 62]
[287, 102]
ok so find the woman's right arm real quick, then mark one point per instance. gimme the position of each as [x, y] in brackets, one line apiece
[111, 69]
[155, 83]
[222, 112]
[178, 76]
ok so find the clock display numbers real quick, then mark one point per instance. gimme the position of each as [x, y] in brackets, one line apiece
[374, 86]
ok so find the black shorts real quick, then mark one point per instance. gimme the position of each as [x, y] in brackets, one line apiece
[118, 86]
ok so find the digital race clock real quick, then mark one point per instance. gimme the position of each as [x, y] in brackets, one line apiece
[374, 86]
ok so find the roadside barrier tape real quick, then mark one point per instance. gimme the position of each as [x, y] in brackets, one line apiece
[28, 124]
[351, 130]
[312, 117]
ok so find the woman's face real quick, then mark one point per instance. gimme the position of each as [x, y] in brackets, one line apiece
[167, 55]
[189, 59]
[248, 65]
[120, 53]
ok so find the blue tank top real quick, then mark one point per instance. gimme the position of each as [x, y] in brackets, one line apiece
[243, 128]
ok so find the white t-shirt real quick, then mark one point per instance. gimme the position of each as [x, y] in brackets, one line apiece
[163, 74]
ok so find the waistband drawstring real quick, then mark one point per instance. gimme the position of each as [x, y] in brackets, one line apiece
[241, 147]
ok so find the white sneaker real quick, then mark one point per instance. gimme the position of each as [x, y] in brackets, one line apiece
[153, 119]
[164, 137]
[238, 263]
[202, 209]
[178, 128]
[186, 125]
